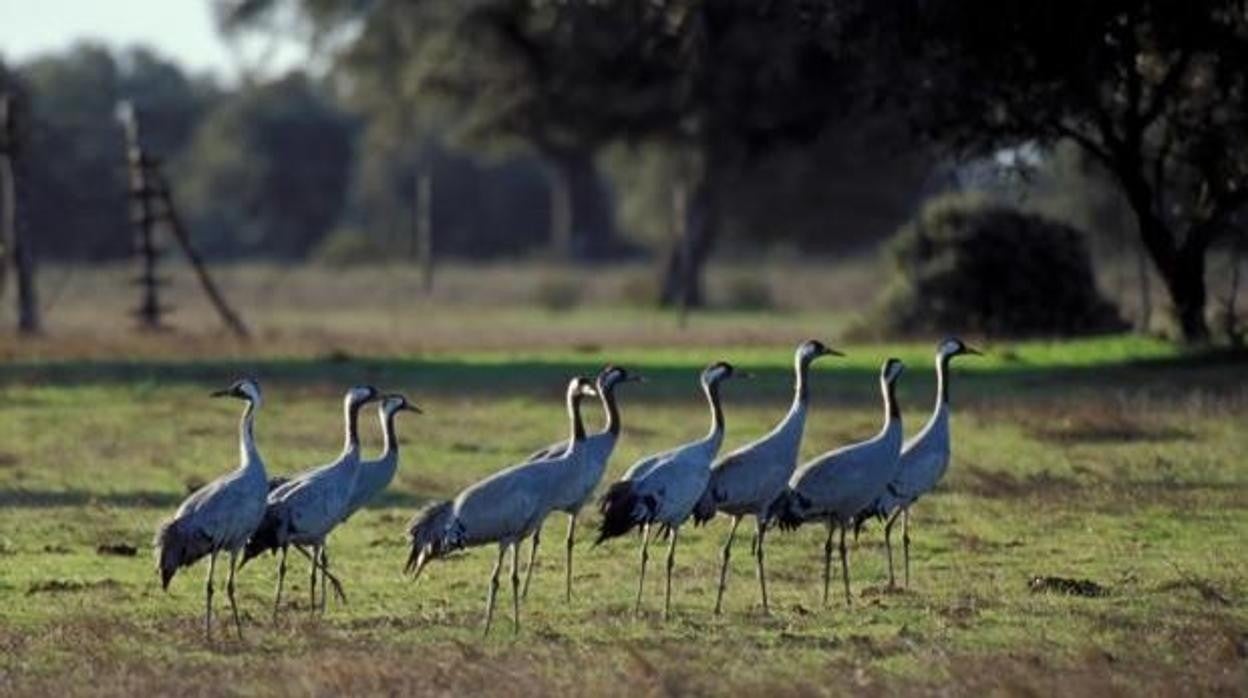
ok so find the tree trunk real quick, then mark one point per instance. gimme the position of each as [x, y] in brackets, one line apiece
[1185, 282]
[683, 271]
[582, 217]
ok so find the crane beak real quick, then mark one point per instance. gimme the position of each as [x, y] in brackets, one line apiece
[971, 350]
[832, 352]
[221, 393]
[634, 378]
[744, 374]
[412, 408]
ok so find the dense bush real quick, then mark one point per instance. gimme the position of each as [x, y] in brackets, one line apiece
[965, 267]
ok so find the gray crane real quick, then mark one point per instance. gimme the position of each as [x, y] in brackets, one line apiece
[505, 508]
[578, 483]
[664, 488]
[220, 515]
[305, 509]
[748, 480]
[837, 485]
[924, 460]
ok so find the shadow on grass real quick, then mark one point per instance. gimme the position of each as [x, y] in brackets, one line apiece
[1217, 371]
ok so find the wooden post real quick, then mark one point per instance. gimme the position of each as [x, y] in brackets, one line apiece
[148, 187]
[17, 247]
[143, 218]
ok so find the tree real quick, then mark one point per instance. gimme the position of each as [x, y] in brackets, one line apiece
[1154, 90]
[268, 170]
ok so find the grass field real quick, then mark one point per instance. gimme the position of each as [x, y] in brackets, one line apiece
[1116, 460]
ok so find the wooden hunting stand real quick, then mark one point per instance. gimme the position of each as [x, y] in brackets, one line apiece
[151, 205]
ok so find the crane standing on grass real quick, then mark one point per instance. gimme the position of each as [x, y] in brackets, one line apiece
[836, 486]
[748, 480]
[663, 489]
[505, 508]
[579, 481]
[304, 510]
[924, 460]
[220, 515]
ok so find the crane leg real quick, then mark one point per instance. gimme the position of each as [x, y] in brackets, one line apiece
[515, 587]
[723, 565]
[905, 541]
[229, 592]
[827, 559]
[845, 565]
[567, 575]
[671, 563]
[645, 556]
[493, 592]
[281, 579]
[333, 579]
[212, 570]
[888, 546]
[316, 556]
[762, 569]
[324, 578]
[528, 571]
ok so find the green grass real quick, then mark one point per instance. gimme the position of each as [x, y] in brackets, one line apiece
[1115, 460]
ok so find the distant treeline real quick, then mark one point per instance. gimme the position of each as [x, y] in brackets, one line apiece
[278, 168]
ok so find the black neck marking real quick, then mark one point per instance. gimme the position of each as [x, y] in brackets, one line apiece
[392, 439]
[890, 400]
[574, 411]
[801, 384]
[612, 410]
[353, 418]
[717, 411]
[942, 378]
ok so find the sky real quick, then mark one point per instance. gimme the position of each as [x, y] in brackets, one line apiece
[179, 29]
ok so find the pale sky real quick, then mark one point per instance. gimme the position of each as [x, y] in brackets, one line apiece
[179, 29]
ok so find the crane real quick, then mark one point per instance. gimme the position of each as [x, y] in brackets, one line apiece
[221, 515]
[748, 480]
[664, 488]
[835, 486]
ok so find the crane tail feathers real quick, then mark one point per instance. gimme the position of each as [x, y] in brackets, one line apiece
[176, 547]
[265, 538]
[427, 535]
[785, 511]
[706, 507]
[622, 509]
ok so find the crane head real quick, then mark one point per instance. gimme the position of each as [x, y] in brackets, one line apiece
[360, 395]
[952, 346]
[396, 402]
[244, 389]
[612, 375]
[891, 370]
[720, 370]
[812, 349]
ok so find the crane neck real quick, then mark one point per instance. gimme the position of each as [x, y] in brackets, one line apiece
[942, 379]
[351, 412]
[611, 410]
[574, 415]
[248, 453]
[892, 410]
[801, 386]
[717, 411]
[390, 439]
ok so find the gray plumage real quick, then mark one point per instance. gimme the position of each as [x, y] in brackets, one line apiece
[377, 474]
[924, 461]
[221, 515]
[303, 510]
[663, 489]
[834, 487]
[504, 508]
[746, 481]
[577, 484]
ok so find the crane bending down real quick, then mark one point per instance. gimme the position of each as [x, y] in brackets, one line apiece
[664, 488]
[504, 508]
[924, 460]
[748, 480]
[578, 483]
[836, 486]
[220, 515]
[304, 510]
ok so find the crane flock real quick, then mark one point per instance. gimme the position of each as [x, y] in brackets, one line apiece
[245, 513]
